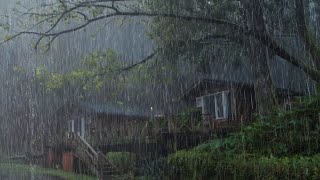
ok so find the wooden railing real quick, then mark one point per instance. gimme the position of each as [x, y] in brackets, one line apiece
[87, 154]
[84, 151]
[86, 146]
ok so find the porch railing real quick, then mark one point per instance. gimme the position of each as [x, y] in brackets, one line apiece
[90, 156]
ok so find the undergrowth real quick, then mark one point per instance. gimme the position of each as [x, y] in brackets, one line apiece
[284, 144]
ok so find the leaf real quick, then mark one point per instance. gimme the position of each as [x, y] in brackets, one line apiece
[8, 37]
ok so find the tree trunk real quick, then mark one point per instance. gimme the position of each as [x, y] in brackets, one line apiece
[306, 35]
[263, 86]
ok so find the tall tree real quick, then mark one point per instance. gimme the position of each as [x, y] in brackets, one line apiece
[263, 85]
[78, 15]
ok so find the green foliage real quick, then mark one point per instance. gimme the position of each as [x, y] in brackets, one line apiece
[157, 168]
[189, 120]
[19, 69]
[124, 161]
[280, 145]
[94, 71]
[180, 40]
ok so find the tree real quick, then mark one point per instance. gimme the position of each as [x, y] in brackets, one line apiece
[264, 91]
[169, 33]
[62, 16]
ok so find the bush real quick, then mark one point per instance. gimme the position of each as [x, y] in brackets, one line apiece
[280, 145]
[124, 161]
[154, 169]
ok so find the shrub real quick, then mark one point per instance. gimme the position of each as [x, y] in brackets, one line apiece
[280, 145]
[124, 161]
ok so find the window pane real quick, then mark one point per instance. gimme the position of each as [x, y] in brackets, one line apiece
[70, 126]
[209, 108]
[206, 105]
[219, 105]
[227, 104]
[212, 106]
[77, 125]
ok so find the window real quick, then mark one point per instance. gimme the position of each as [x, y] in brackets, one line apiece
[217, 104]
[71, 126]
[77, 125]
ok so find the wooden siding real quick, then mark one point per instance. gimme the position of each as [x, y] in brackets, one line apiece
[242, 104]
[115, 128]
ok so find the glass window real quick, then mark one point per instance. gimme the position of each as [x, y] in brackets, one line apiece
[70, 126]
[209, 106]
[217, 104]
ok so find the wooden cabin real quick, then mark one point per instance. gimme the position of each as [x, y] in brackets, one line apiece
[100, 123]
[95, 125]
[223, 103]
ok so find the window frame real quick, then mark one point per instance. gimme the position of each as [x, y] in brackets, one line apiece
[224, 103]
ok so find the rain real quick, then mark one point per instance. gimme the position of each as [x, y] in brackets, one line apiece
[159, 89]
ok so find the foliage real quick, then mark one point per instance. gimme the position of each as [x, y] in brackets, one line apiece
[228, 18]
[178, 38]
[124, 161]
[94, 71]
[189, 120]
[157, 168]
[280, 145]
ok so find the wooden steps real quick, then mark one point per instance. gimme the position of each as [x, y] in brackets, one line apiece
[96, 161]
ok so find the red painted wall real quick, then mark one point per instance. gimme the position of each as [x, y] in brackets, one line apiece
[67, 161]
[49, 160]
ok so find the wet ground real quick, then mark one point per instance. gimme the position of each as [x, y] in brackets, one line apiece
[26, 176]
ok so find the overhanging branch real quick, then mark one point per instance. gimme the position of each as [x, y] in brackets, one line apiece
[243, 30]
[148, 58]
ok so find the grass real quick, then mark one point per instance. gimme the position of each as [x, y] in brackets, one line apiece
[21, 168]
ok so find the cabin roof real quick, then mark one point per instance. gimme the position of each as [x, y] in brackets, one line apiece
[284, 75]
[203, 83]
[117, 108]
[104, 109]
[236, 69]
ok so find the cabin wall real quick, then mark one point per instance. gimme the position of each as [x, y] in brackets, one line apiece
[116, 129]
[245, 105]
[212, 89]
[242, 105]
[285, 101]
[205, 90]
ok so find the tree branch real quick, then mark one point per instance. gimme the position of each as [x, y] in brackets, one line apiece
[244, 30]
[131, 66]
